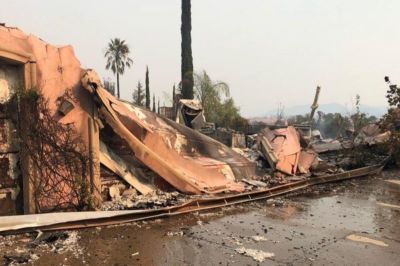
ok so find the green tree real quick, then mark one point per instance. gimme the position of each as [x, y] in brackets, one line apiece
[186, 51]
[229, 116]
[298, 119]
[218, 107]
[173, 98]
[210, 94]
[360, 119]
[334, 125]
[109, 86]
[154, 103]
[117, 55]
[138, 95]
[147, 89]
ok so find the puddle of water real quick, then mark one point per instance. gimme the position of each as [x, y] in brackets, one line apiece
[354, 209]
[283, 213]
[298, 230]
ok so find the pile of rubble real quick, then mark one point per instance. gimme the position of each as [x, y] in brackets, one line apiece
[130, 199]
[285, 155]
[31, 245]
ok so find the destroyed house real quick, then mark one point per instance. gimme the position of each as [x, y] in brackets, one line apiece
[79, 140]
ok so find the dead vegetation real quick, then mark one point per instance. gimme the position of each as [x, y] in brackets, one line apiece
[56, 153]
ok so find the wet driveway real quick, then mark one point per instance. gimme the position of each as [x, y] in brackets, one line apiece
[350, 223]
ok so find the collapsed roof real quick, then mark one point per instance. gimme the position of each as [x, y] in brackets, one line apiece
[186, 159]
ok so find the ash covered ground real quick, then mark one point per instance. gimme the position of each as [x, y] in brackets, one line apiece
[347, 223]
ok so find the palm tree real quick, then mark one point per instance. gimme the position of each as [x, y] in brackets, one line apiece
[117, 55]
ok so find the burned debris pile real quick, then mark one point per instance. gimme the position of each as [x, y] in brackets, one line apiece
[284, 154]
[281, 148]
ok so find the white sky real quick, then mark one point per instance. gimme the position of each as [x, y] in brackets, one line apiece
[267, 51]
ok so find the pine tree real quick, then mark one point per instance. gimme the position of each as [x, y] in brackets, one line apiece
[109, 86]
[173, 98]
[154, 103]
[138, 95]
[186, 51]
[158, 106]
[147, 89]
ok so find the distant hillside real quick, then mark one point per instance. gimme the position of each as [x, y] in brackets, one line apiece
[330, 108]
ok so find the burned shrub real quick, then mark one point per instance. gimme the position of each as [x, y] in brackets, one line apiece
[58, 162]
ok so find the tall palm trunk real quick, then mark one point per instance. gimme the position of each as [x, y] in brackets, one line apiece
[118, 85]
[186, 52]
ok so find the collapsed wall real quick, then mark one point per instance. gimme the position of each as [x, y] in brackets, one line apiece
[27, 62]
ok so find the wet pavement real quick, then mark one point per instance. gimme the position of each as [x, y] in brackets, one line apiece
[309, 228]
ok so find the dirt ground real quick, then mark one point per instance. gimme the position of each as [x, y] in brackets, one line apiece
[310, 228]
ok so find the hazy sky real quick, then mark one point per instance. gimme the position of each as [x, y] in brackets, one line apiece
[267, 51]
